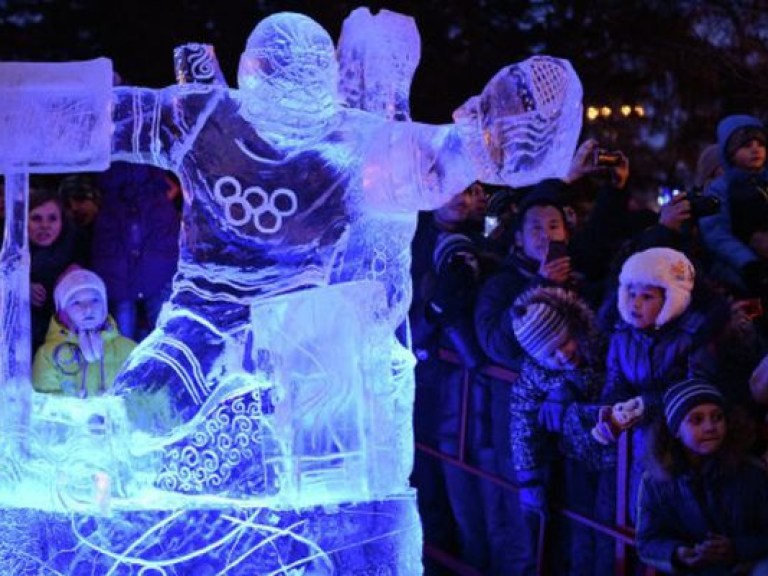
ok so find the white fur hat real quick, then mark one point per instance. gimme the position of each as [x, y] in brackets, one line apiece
[74, 280]
[668, 269]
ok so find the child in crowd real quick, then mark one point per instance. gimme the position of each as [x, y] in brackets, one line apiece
[83, 349]
[703, 506]
[660, 338]
[551, 401]
[743, 193]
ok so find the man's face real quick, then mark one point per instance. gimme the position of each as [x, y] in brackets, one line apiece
[702, 431]
[644, 303]
[541, 225]
[751, 156]
[44, 224]
[477, 202]
[86, 309]
[83, 210]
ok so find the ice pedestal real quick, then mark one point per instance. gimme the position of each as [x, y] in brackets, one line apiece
[376, 537]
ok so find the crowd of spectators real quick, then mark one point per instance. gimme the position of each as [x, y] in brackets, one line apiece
[602, 307]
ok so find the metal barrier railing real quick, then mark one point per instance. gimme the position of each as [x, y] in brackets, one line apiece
[622, 532]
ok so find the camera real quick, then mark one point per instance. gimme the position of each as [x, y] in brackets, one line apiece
[701, 204]
[604, 158]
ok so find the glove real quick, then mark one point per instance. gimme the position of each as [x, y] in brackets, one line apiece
[553, 409]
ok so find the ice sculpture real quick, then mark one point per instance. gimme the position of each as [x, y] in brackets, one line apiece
[264, 427]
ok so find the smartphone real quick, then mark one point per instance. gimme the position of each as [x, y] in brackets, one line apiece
[557, 249]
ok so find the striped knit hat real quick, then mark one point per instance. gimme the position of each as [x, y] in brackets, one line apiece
[538, 323]
[448, 245]
[684, 396]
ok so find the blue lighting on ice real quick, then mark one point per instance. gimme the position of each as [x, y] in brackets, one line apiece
[264, 427]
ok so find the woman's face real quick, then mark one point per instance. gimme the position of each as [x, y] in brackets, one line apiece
[703, 429]
[44, 225]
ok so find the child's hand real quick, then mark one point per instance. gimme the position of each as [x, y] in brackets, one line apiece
[715, 549]
[688, 557]
[613, 420]
[605, 431]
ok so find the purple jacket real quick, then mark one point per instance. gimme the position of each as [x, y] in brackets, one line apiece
[136, 234]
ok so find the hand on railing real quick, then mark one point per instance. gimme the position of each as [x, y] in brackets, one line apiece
[613, 420]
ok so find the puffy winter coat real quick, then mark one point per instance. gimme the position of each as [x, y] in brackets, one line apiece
[60, 368]
[731, 253]
[681, 510]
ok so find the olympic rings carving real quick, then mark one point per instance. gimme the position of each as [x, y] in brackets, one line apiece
[252, 204]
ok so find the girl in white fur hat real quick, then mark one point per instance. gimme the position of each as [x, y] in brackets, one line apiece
[83, 350]
[660, 339]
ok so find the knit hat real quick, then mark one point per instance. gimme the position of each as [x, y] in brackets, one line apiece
[74, 280]
[741, 136]
[668, 269]
[684, 396]
[543, 316]
[449, 244]
[709, 161]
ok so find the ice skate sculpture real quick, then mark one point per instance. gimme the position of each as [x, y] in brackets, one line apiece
[269, 414]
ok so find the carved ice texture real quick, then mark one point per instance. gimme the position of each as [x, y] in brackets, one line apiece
[264, 427]
[53, 118]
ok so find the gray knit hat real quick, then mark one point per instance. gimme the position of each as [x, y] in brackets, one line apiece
[684, 396]
[448, 245]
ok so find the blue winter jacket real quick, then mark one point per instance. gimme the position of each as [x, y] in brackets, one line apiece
[730, 253]
[681, 510]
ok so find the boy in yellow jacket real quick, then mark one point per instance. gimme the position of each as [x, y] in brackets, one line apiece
[83, 350]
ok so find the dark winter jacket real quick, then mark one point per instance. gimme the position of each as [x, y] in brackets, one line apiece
[46, 265]
[136, 235]
[493, 322]
[681, 510]
[731, 253]
[647, 362]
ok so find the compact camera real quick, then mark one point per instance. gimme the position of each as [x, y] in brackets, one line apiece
[606, 159]
[701, 204]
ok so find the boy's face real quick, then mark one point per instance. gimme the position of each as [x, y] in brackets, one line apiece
[86, 309]
[83, 210]
[644, 303]
[703, 429]
[541, 225]
[751, 156]
[562, 355]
